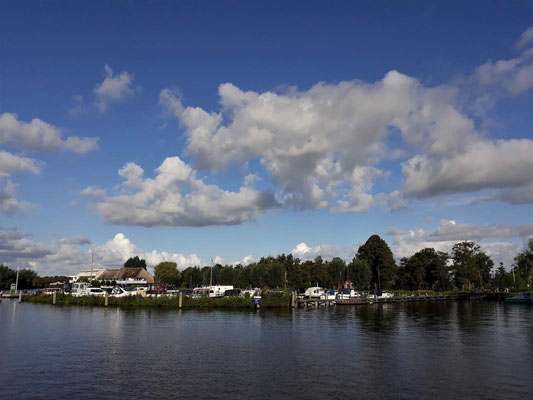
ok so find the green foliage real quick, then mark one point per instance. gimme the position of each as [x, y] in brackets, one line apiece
[426, 269]
[191, 277]
[471, 267]
[28, 279]
[272, 299]
[523, 266]
[502, 278]
[147, 302]
[360, 274]
[379, 256]
[7, 277]
[135, 262]
[167, 272]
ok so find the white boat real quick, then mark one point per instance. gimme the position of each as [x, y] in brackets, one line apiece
[90, 291]
[347, 293]
[119, 291]
[378, 294]
[218, 291]
[76, 287]
[211, 291]
[314, 292]
[251, 292]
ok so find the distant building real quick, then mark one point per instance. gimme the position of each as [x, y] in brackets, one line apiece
[127, 276]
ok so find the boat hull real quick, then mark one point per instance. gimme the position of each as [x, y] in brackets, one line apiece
[519, 301]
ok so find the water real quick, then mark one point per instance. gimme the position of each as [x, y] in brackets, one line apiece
[420, 350]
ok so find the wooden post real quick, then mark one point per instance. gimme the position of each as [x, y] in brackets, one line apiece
[106, 301]
[20, 297]
[54, 298]
[293, 302]
[180, 302]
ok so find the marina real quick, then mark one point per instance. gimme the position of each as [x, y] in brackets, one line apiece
[356, 301]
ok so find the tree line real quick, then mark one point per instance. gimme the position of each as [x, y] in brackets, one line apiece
[28, 278]
[373, 267]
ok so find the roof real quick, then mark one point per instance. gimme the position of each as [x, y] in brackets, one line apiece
[126, 273]
[108, 274]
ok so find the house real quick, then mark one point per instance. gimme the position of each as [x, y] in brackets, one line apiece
[127, 276]
[86, 274]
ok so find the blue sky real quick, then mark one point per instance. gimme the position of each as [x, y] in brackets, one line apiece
[277, 127]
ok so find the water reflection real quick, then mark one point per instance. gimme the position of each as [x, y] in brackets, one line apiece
[415, 350]
[378, 318]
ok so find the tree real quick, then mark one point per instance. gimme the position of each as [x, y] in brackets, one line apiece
[426, 269]
[471, 266]
[135, 262]
[336, 272]
[167, 272]
[359, 273]
[502, 278]
[379, 256]
[191, 277]
[523, 267]
[275, 274]
[7, 277]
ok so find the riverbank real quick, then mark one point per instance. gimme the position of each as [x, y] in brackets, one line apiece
[268, 300]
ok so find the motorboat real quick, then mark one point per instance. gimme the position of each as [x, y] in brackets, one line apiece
[119, 291]
[521, 297]
[378, 294]
[314, 292]
[347, 293]
[90, 291]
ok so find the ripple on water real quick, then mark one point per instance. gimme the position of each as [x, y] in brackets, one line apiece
[419, 350]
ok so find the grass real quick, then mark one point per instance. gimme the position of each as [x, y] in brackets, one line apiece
[269, 300]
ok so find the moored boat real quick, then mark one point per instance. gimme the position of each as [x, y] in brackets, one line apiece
[521, 297]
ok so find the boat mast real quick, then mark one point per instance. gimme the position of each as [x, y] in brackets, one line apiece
[92, 260]
[211, 278]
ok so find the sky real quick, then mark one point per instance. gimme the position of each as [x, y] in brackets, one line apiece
[233, 130]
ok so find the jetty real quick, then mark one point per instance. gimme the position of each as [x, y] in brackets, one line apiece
[357, 301]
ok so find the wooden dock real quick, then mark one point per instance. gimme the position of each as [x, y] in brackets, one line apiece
[357, 301]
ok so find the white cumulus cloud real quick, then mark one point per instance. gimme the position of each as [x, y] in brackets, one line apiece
[502, 242]
[8, 202]
[38, 135]
[114, 88]
[11, 163]
[177, 197]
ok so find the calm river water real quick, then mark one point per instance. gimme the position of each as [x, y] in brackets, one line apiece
[464, 350]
